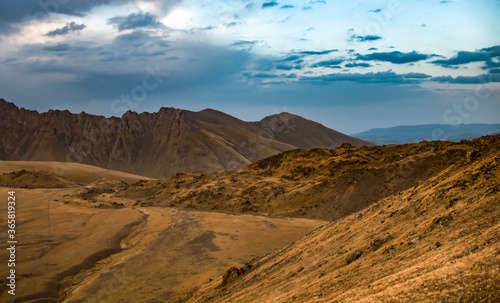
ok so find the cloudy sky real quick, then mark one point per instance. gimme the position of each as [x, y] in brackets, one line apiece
[351, 65]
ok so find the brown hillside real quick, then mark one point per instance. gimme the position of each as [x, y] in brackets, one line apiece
[305, 134]
[80, 173]
[34, 179]
[319, 183]
[438, 241]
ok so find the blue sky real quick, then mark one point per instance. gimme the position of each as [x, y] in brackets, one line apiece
[350, 65]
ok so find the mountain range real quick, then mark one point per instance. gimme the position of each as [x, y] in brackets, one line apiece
[159, 144]
[429, 132]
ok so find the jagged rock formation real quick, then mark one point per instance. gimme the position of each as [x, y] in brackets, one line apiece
[151, 144]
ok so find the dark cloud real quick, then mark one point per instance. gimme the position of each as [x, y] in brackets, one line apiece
[284, 67]
[269, 4]
[287, 6]
[69, 27]
[13, 13]
[135, 44]
[480, 79]
[372, 48]
[366, 38]
[357, 65]
[329, 63]
[417, 76]
[318, 52]
[260, 75]
[380, 77]
[395, 57]
[375, 10]
[245, 44]
[135, 20]
[465, 57]
[291, 58]
[59, 47]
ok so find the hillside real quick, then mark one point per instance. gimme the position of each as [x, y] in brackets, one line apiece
[305, 134]
[151, 144]
[319, 183]
[76, 172]
[438, 241]
[429, 132]
[34, 179]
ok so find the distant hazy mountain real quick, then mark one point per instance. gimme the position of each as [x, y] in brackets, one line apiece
[155, 144]
[429, 132]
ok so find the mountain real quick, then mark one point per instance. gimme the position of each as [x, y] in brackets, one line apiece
[151, 144]
[437, 241]
[429, 132]
[303, 133]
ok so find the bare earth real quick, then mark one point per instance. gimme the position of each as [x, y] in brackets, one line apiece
[149, 254]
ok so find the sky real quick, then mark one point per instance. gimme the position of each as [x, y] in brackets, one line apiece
[350, 65]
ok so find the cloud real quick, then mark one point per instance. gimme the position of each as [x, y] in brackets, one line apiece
[13, 13]
[69, 27]
[135, 44]
[395, 57]
[329, 63]
[375, 10]
[366, 38]
[357, 65]
[291, 58]
[269, 4]
[59, 47]
[284, 67]
[245, 43]
[417, 76]
[287, 6]
[260, 75]
[480, 79]
[318, 52]
[135, 20]
[379, 77]
[465, 57]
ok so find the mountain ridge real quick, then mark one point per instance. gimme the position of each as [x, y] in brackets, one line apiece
[404, 134]
[158, 144]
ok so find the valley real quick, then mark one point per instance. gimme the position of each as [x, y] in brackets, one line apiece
[400, 223]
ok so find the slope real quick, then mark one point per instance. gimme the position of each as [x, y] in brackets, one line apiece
[319, 183]
[80, 173]
[305, 134]
[438, 241]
